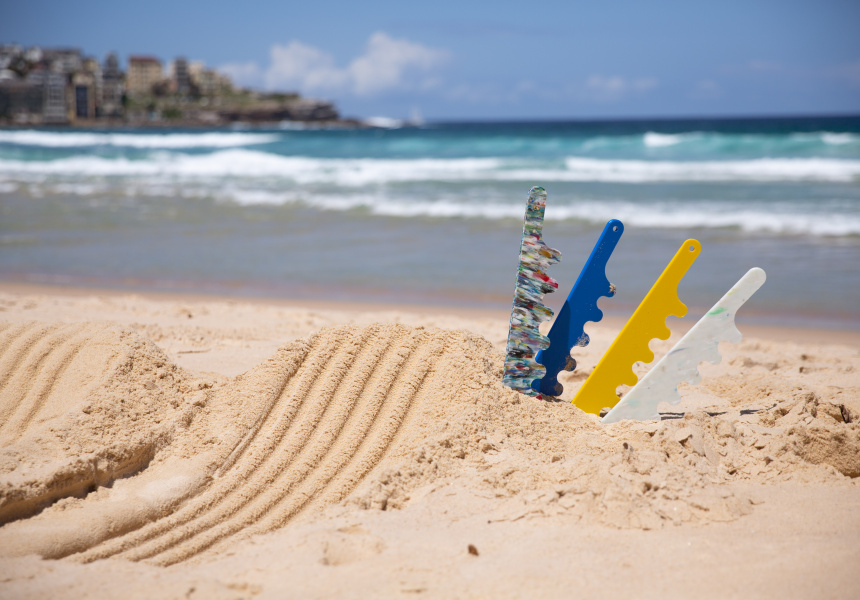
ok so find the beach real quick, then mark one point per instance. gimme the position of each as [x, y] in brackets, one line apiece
[424, 301]
[183, 445]
[268, 362]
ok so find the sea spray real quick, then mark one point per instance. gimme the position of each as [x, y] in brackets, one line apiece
[528, 312]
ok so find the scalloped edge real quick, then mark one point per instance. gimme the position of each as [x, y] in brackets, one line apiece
[632, 343]
[681, 363]
[591, 285]
[535, 256]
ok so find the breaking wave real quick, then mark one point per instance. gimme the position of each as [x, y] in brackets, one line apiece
[245, 163]
[134, 140]
[784, 220]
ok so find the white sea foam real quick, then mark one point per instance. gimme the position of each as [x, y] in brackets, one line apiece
[245, 163]
[240, 163]
[257, 197]
[644, 215]
[829, 138]
[659, 140]
[136, 140]
[834, 219]
[383, 122]
[763, 217]
[838, 139]
[762, 169]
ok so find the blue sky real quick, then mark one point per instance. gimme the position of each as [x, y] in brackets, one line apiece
[492, 60]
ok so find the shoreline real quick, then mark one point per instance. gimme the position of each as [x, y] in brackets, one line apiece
[793, 333]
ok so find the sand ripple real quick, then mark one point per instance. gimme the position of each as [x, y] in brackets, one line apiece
[107, 449]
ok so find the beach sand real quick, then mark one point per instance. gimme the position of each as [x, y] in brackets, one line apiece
[196, 447]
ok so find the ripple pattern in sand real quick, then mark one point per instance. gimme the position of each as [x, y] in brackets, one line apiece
[49, 375]
[330, 425]
[33, 358]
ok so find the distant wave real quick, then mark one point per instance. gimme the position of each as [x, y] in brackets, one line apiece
[135, 140]
[648, 141]
[838, 139]
[653, 149]
[713, 140]
[251, 163]
[243, 163]
[785, 219]
[249, 178]
[384, 122]
[706, 144]
[674, 215]
[659, 140]
[760, 169]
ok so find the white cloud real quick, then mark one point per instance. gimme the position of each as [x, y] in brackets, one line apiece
[246, 74]
[387, 61]
[602, 88]
[386, 64]
[304, 67]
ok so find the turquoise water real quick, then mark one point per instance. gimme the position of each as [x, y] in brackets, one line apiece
[434, 214]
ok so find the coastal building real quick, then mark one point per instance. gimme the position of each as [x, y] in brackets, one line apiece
[92, 66]
[208, 82]
[52, 86]
[43, 97]
[63, 60]
[33, 55]
[180, 79]
[143, 73]
[59, 86]
[83, 89]
[55, 105]
[112, 88]
[201, 78]
[39, 98]
[8, 54]
[21, 101]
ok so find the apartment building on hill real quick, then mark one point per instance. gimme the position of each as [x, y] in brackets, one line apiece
[143, 73]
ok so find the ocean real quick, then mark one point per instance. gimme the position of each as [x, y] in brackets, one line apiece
[432, 215]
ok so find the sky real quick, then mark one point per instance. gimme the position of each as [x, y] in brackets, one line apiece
[491, 60]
